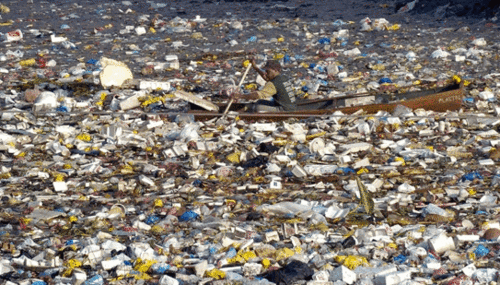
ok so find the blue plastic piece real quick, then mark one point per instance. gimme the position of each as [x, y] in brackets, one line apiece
[38, 283]
[151, 220]
[92, 61]
[481, 251]
[231, 253]
[469, 100]
[339, 23]
[385, 80]
[346, 170]
[252, 39]
[286, 59]
[213, 250]
[471, 176]
[95, 280]
[305, 88]
[324, 41]
[188, 216]
[62, 109]
[312, 65]
[481, 213]
[400, 259]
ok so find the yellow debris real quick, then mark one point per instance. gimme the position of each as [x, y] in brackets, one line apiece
[59, 178]
[298, 249]
[316, 135]
[67, 272]
[393, 245]
[394, 27]
[266, 263]
[216, 274]
[362, 170]
[84, 137]
[283, 253]
[353, 261]
[158, 203]
[237, 259]
[249, 255]
[234, 157]
[400, 159]
[251, 86]
[143, 266]
[27, 62]
[471, 191]
[4, 9]
[5, 175]
[157, 229]
[73, 263]
[73, 219]
[246, 63]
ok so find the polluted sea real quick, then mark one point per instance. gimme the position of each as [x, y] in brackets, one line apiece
[120, 165]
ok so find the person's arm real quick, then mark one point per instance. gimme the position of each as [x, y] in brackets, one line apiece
[267, 92]
[259, 71]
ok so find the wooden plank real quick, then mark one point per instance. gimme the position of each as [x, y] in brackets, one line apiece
[205, 104]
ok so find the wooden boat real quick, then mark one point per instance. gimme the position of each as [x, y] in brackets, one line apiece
[442, 99]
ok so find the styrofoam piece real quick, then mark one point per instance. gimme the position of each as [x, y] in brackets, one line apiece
[45, 101]
[469, 269]
[56, 39]
[110, 264]
[344, 274]
[440, 54]
[345, 159]
[14, 36]
[146, 181]
[200, 268]
[322, 275]
[252, 269]
[320, 169]
[114, 73]
[60, 186]
[140, 30]
[295, 241]
[485, 95]
[316, 145]
[154, 85]
[275, 184]
[441, 243]
[426, 133]
[272, 236]
[131, 101]
[393, 278]
[355, 147]
[167, 280]
[487, 161]
[299, 171]
[467, 238]
[361, 163]
[479, 42]
[334, 212]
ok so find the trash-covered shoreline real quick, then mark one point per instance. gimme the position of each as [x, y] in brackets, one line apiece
[105, 179]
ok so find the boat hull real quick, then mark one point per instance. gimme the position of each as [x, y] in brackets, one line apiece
[449, 100]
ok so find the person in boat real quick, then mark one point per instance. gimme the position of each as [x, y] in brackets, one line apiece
[277, 93]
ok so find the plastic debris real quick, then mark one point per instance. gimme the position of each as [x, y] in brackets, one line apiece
[107, 177]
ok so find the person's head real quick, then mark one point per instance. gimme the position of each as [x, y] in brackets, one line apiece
[272, 68]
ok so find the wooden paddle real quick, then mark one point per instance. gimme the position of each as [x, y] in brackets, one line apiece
[232, 99]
